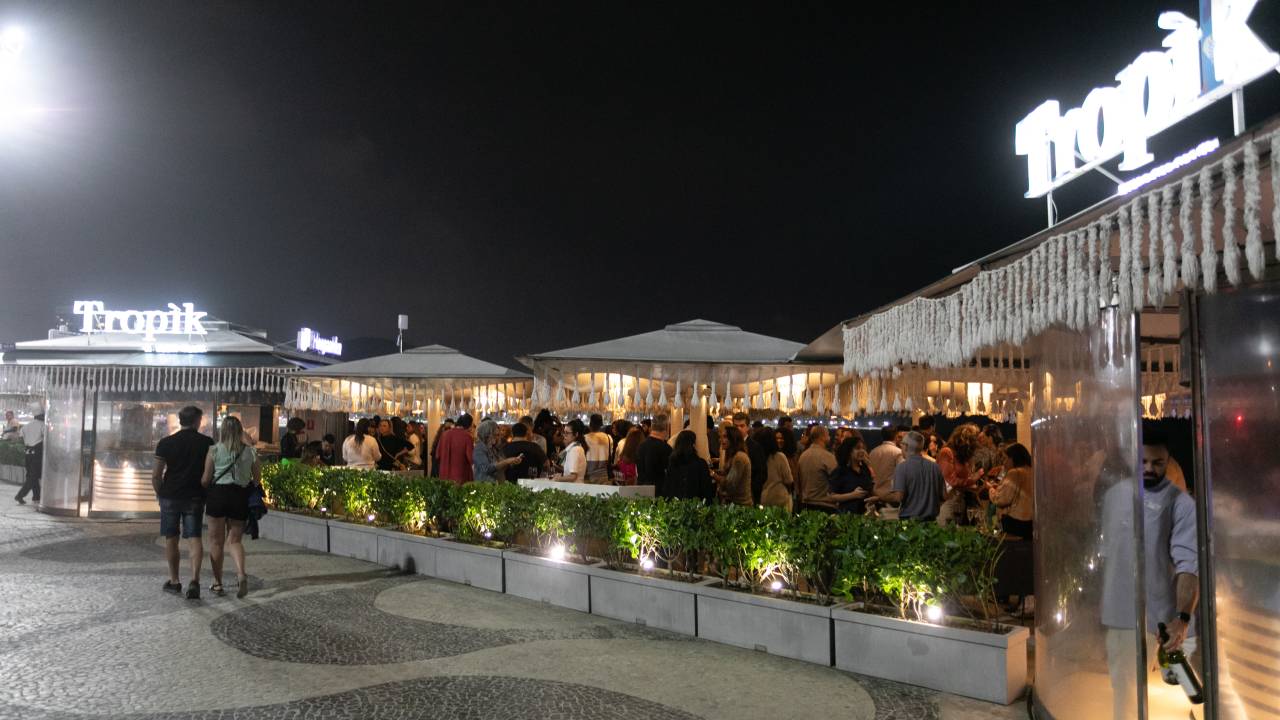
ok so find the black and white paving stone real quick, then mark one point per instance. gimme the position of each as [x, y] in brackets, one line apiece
[86, 634]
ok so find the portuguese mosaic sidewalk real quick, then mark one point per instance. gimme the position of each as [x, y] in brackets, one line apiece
[85, 632]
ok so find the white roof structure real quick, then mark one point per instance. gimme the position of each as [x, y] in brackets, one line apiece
[668, 368]
[427, 362]
[427, 380]
[694, 341]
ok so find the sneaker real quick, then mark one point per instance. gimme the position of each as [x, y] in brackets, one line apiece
[19, 500]
[193, 590]
[172, 587]
[243, 588]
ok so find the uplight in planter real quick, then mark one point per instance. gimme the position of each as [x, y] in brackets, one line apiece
[776, 585]
[933, 613]
[557, 552]
[370, 517]
[324, 510]
[646, 564]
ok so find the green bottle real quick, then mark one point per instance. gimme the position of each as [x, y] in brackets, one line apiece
[1176, 670]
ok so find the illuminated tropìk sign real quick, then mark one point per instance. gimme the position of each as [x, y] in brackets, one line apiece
[308, 340]
[1199, 66]
[184, 320]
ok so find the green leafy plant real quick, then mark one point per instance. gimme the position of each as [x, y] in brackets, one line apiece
[12, 453]
[910, 566]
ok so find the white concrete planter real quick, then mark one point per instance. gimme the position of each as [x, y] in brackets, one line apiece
[769, 624]
[407, 551]
[984, 665]
[354, 541]
[13, 474]
[644, 599]
[473, 565]
[301, 530]
[561, 583]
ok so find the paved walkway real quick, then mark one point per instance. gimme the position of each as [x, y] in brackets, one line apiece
[85, 631]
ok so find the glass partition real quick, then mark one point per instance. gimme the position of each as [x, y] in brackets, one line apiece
[64, 422]
[124, 455]
[1239, 337]
[1085, 447]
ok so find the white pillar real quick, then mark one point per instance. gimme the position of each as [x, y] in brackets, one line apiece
[698, 423]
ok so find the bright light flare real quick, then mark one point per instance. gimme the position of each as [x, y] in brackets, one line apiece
[12, 41]
[934, 613]
[776, 585]
[646, 564]
[370, 517]
[557, 552]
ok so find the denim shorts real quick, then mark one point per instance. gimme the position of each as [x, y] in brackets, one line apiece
[189, 512]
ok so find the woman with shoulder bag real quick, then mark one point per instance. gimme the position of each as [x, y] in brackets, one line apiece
[229, 469]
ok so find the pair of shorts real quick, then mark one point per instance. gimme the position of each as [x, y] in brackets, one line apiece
[228, 501]
[184, 513]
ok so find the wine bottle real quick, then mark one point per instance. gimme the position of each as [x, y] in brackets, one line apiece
[1177, 670]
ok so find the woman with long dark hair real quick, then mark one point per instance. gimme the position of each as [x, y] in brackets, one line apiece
[360, 450]
[853, 481]
[575, 452]
[1015, 493]
[733, 486]
[778, 478]
[626, 466]
[687, 474]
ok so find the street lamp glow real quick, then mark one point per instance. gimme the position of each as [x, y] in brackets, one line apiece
[12, 40]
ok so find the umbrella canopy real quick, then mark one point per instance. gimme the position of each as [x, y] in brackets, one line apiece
[422, 363]
[423, 381]
[680, 366]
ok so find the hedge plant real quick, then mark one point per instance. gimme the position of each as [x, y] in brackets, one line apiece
[907, 565]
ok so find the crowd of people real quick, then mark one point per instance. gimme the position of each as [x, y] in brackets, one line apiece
[912, 473]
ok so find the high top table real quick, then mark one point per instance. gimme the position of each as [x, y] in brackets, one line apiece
[588, 488]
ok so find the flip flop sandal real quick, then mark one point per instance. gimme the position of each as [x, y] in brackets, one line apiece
[216, 589]
[243, 588]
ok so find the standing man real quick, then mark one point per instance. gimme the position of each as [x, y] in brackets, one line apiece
[917, 483]
[884, 459]
[533, 460]
[653, 455]
[33, 440]
[456, 450]
[1170, 570]
[814, 469]
[176, 478]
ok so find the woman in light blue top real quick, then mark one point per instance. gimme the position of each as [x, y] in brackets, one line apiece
[229, 468]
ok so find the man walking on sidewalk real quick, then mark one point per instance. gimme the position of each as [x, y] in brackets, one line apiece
[176, 478]
[33, 438]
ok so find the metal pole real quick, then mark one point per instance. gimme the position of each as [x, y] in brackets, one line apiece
[1206, 614]
[1237, 111]
[1049, 208]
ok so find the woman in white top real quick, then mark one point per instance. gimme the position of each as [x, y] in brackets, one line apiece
[361, 450]
[229, 467]
[575, 453]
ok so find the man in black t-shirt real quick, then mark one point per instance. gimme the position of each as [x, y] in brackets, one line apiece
[654, 452]
[534, 458]
[176, 479]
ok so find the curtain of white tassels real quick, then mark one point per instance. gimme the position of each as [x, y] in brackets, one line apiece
[1064, 279]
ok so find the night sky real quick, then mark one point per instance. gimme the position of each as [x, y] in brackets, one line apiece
[522, 177]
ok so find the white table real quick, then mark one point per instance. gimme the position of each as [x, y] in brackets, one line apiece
[588, 488]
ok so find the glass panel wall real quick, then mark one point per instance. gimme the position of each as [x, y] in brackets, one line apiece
[1086, 455]
[127, 432]
[1239, 336]
[64, 419]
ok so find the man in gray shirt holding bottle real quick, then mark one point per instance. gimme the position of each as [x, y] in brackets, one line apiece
[1170, 569]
